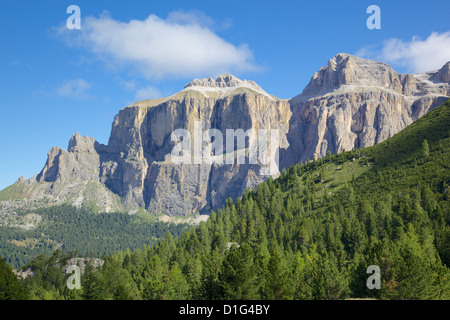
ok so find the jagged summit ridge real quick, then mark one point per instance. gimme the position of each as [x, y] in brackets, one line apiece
[354, 103]
[80, 143]
[443, 74]
[349, 73]
[225, 80]
[349, 103]
[225, 84]
[346, 69]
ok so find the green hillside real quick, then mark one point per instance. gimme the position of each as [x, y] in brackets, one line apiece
[310, 234]
[80, 230]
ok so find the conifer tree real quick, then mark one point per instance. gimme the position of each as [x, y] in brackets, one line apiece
[10, 287]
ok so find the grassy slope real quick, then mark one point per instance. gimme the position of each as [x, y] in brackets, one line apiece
[292, 248]
[393, 164]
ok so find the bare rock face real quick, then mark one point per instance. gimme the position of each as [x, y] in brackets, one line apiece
[356, 103]
[443, 75]
[81, 162]
[142, 173]
[23, 274]
[71, 176]
[82, 263]
[95, 263]
[350, 103]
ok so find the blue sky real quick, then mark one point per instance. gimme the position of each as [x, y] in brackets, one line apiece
[55, 82]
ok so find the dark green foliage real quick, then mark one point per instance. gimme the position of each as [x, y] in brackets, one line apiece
[10, 287]
[290, 239]
[81, 230]
[237, 277]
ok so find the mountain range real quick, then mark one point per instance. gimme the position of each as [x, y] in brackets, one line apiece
[351, 103]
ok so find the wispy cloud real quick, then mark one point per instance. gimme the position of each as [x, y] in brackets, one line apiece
[182, 45]
[147, 93]
[416, 55]
[128, 85]
[74, 89]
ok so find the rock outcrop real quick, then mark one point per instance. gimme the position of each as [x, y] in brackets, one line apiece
[350, 103]
[71, 176]
[79, 262]
[356, 103]
[139, 167]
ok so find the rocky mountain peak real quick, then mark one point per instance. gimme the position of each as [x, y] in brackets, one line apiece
[339, 60]
[225, 80]
[350, 103]
[345, 69]
[443, 74]
[79, 143]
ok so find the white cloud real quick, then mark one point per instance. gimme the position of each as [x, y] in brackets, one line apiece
[181, 45]
[190, 17]
[74, 89]
[416, 55]
[147, 93]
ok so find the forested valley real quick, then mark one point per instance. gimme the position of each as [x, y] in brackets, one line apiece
[309, 234]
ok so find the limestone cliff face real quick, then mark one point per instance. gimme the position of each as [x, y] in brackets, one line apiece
[350, 103]
[140, 170]
[71, 176]
[81, 162]
[355, 103]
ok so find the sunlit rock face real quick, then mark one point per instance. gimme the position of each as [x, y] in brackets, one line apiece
[350, 103]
